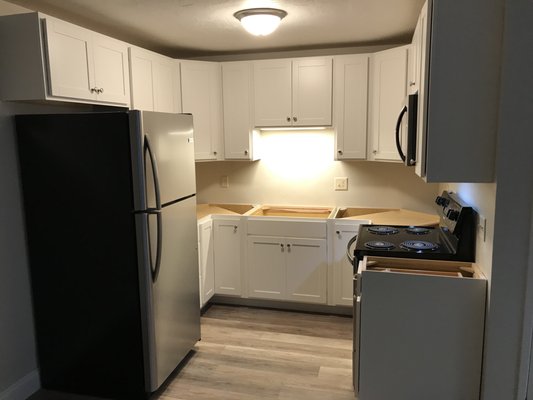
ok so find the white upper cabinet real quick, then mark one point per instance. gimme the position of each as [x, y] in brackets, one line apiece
[155, 82]
[240, 139]
[55, 60]
[201, 93]
[293, 92]
[388, 91]
[458, 104]
[350, 79]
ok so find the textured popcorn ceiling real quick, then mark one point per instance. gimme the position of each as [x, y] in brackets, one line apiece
[204, 27]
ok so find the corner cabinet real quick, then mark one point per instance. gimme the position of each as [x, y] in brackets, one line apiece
[459, 81]
[295, 92]
[388, 91]
[350, 83]
[155, 81]
[240, 138]
[201, 94]
[55, 60]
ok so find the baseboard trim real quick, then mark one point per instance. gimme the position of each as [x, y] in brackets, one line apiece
[281, 305]
[23, 388]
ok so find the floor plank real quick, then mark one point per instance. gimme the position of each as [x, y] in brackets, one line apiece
[250, 353]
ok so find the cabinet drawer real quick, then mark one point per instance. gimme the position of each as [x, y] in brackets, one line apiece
[292, 228]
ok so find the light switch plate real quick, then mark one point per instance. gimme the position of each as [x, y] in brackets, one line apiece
[224, 181]
[340, 183]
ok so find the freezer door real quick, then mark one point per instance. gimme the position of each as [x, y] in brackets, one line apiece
[175, 292]
[171, 141]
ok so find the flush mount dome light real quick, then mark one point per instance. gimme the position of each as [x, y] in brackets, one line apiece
[260, 21]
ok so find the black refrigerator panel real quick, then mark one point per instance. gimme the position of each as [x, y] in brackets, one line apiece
[78, 201]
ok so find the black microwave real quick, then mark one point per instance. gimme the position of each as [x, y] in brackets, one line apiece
[407, 150]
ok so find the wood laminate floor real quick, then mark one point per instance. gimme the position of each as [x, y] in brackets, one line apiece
[250, 353]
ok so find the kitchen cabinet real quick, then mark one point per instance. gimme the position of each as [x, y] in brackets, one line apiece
[458, 100]
[206, 260]
[283, 268]
[350, 79]
[343, 270]
[240, 139]
[201, 93]
[287, 259]
[388, 91]
[423, 319]
[55, 60]
[155, 81]
[294, 92]
[227, 240]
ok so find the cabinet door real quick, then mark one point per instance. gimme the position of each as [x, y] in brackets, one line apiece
[312, 91]
[351, 106]
[205, 259]
[306, 273]
[238, 105]
[201, 96]
[272, 93]
[266, 267]
[111, 76]
[166, 85]
[141, 67]
[343, 270]
[388, 89]
[70, 60]
[227, 239]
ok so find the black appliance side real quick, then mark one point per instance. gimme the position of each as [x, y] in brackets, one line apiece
[78, 201]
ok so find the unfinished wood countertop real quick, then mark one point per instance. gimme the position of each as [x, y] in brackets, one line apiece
[399, 217]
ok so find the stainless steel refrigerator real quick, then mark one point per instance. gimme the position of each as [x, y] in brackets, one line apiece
[110, 211]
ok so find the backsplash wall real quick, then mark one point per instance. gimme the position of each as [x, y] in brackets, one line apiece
[297, 168]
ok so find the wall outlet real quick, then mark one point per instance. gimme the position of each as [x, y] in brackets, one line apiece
[340, 183]
[224, 181]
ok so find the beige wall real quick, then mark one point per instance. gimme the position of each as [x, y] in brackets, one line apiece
[297, 168]
[481, 196]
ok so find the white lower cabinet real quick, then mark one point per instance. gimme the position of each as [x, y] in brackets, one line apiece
[227, 244]
[282, 268]
[206, 260]
[342, 268]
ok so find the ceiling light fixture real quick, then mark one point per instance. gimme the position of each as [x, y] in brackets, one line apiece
[260, 21]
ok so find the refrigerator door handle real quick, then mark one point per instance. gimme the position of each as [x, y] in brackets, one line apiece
[154, 267]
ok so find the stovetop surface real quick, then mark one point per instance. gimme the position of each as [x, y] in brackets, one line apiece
[403, 242]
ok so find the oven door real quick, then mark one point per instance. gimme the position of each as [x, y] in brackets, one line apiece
[406, 131]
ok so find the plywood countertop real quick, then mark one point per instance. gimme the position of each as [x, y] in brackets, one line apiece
[400, 217]
[203, 210]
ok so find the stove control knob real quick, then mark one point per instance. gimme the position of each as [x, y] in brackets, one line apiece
[442, 201]
[452, 215]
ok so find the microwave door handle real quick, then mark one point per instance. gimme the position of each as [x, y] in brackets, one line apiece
[398, 125]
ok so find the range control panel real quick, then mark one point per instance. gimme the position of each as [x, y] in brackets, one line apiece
[452, 209]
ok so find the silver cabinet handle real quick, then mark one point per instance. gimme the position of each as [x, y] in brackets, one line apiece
[294, 119]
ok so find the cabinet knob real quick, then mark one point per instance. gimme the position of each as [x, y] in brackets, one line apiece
[288, 119]
[375, 152]
[412, 83]
[282, 247]
[340, 152]
[289, 247]
[245, 152]
[338, 232]
[235, 228]
[93, 90]
[215, 153]
[294, 119]
[101, 90]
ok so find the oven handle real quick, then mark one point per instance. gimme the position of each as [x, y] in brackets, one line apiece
[348, 252]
